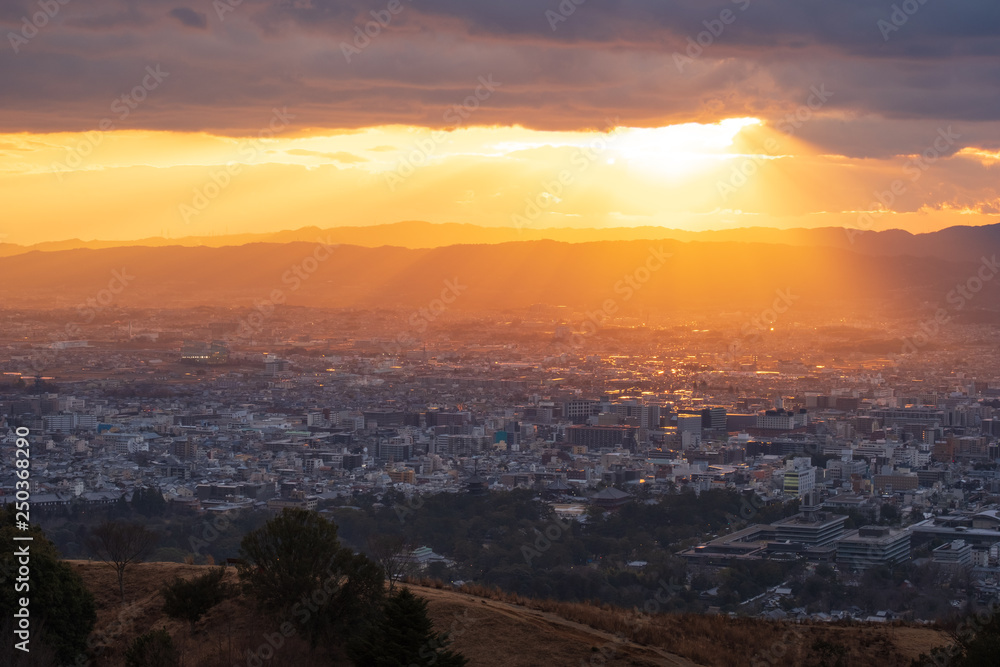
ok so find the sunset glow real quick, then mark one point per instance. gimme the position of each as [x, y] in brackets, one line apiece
[733, 173]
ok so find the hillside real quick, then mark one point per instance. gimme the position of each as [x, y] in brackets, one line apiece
[635, 274]
[501, 632]
[964, 243]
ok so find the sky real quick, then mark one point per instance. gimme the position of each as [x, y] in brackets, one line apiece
[122, 119]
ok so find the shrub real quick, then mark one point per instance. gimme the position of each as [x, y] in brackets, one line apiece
[190, 599]
[153, 649]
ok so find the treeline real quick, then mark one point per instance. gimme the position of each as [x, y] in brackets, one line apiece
[514, 542]
[293, 571]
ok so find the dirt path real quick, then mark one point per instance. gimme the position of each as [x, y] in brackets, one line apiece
[610, 649]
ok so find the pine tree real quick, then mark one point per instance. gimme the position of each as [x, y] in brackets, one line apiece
[61, 606]
[404, 637]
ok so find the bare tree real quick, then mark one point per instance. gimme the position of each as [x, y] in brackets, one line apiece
[119, 544]
[392, 554]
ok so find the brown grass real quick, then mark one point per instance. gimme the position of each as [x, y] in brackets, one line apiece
[720, 640]
[495, 628]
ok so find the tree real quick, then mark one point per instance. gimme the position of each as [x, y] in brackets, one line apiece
[62, 609]
[404, 636]
[190, 599]
[295, 567]
[149, 501]
[977, 644]
[121, 544]
[153, 649]
[392, 554]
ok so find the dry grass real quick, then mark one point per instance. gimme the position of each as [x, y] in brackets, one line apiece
[496, 628]
[723, 641]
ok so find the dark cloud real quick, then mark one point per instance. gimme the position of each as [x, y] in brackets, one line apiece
[190, 18]
[894, 82]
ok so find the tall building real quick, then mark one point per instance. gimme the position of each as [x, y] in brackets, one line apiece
[800, 476]
[714, 419]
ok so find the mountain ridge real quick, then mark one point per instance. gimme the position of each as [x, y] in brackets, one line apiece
[954, 243]
[634, 275]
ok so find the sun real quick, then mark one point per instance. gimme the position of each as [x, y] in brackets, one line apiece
[679, 151]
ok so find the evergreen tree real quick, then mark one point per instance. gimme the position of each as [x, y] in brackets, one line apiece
[977, 644]
[61, 606]
[404, 637]
[190, 599]
[295, 567]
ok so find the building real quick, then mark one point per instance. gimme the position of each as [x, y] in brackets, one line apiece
[598, 437]
[577, 411]
[896, 482]
[873, 546]
[184, 449]
[909, 416]
[395, 449]
[714, 419]
[956, 554]
[610, 498]
[402, 476]
[781, 420]
[816, 529]
[383, 418]
[198, 352]
[800, 476]
[981, 530]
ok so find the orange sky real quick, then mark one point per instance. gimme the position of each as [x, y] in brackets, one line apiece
[123, 120]
[739, 172]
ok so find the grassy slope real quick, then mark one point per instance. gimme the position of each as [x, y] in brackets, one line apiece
[494, 629]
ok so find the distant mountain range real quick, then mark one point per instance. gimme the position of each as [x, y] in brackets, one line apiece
[954, 243]
[623, 276]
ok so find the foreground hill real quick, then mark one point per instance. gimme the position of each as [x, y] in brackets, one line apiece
[509, 631]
